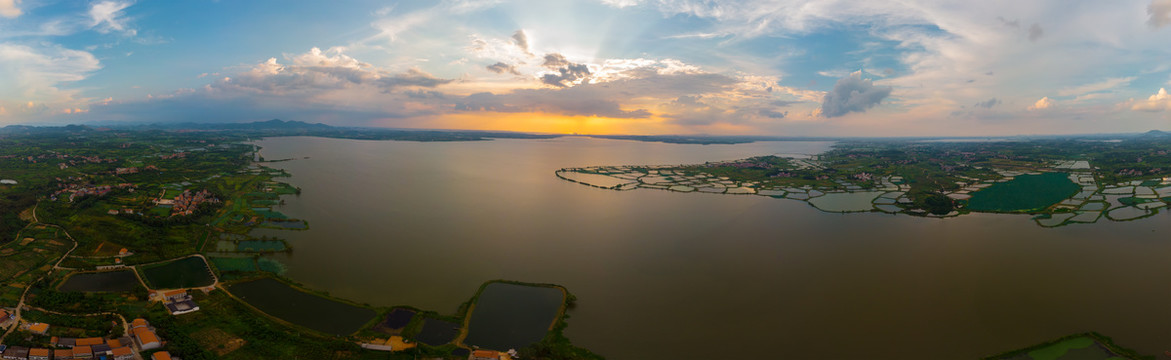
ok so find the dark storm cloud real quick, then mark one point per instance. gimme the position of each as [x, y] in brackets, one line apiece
[852, 94]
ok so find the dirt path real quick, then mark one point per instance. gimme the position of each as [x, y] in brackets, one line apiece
[24, 295]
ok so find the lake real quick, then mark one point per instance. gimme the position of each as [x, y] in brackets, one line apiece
[658, 272]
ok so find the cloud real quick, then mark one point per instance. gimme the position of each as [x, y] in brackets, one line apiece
[1042, 104]
[1035, 32]
[773, 114]
[107, 16]
[852, 94]
[318, 70]
[1103, 85]
[1010, 23]
[607, 99]
[620, 3]
[568, 73]
[521, 40]
[567, 76]
[554, 61]
[988, 104]
[10, 8]
[41, 74]
[501, 68]
[1159, 12]
[1161, 101]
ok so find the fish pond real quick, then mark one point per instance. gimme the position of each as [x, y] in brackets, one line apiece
[1024, 193]
[112, 281]
[184, 273]
[437, 332]
[395, 321]
[511, 316]
[846, 201]
[315, 312]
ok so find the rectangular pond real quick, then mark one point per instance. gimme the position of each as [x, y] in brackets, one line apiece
[511, 316]
[113, 281]
[315, 312]
[184, 273]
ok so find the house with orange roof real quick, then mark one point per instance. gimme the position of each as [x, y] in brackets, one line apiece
[146, 339]
[83, 352]
[161, 355]
[91, 341]
[63, 353]
[38, 354]
[122, 353]
[484, 355]
[38, 328]
[178, 302]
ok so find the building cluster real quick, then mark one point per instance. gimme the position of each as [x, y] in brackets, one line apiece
[179, 155]
[179, 302]
[142, 337]
[75, 190]
[187, 202]
[70, 159]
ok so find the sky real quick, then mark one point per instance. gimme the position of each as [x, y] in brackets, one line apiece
[721, 67]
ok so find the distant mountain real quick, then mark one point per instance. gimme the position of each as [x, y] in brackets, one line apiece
[274, 124]
[1155, 134]
[36, 130]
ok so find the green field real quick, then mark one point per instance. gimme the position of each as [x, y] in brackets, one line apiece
[1025, 193]
[186, 273]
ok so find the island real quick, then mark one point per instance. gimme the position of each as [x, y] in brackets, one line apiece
[1058, 181]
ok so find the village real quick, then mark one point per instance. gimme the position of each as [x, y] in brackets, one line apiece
[142, 343]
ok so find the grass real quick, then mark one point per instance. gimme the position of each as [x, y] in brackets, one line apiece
[1055, 351]
[1025, 193]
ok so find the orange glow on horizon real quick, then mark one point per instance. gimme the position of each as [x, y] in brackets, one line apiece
[545, 123]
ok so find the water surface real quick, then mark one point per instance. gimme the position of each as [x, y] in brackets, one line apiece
[659, 273]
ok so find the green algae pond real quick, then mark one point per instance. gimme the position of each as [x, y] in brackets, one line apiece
[289, 304]
[1024, 193]
[112, 281]
[512, 316]
[183, 273]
